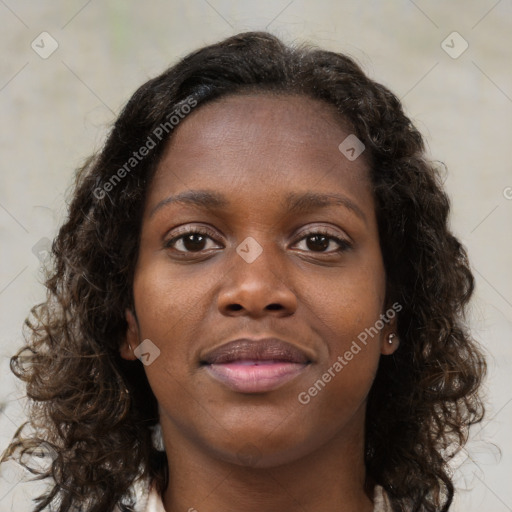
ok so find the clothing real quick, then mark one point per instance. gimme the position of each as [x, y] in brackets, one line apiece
[151, 502]
[154, 502]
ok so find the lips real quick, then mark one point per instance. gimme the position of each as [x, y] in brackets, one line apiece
[255, 366]
[266, 349]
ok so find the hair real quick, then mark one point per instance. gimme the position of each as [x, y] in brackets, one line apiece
[96, 411]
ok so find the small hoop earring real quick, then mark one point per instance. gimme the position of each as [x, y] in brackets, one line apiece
[391, 338]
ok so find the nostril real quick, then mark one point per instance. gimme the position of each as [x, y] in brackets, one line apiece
[235, 307]
[274, 306]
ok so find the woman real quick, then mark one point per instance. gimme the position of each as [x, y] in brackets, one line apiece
[258, 264]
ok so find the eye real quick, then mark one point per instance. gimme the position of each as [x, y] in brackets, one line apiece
[195, 240]
[191, 240]
[319, 241]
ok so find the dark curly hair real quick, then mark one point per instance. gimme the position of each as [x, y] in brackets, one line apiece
[97, 411]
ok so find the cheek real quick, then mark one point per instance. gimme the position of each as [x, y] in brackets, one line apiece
[346, 302]
[346, 310]
[165, 312]
[171, 309]
[167, 302]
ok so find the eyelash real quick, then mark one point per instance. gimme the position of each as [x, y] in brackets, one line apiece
[343, 244]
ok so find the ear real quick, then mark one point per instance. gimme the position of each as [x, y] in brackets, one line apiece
[389, 334]
[131, 339]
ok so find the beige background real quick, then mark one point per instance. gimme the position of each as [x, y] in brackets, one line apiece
[55, 111]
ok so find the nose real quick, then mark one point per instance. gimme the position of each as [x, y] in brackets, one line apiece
[256, 289]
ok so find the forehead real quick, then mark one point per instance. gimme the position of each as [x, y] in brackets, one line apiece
[284, 118]
[261, 143]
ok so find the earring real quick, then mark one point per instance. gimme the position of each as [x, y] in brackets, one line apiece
[391, 338]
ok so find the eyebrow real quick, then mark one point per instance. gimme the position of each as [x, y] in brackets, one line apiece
[205, 199]
[302, 202]
[295, 202]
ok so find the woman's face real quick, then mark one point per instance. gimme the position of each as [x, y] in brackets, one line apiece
[286, 247]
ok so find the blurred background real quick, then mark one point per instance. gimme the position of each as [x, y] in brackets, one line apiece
[68, 67]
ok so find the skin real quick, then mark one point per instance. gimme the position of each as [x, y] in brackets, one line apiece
[235, 451]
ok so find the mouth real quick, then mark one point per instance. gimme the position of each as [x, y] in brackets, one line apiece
[255, 366]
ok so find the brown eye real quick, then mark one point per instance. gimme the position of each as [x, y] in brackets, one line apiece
[194, 242]
[190, 242]
[320, 242]
[317, 242]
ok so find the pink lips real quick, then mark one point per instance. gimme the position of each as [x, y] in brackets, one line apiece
[255, 366]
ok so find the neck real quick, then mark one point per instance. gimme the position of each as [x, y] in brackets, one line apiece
[330, 478]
